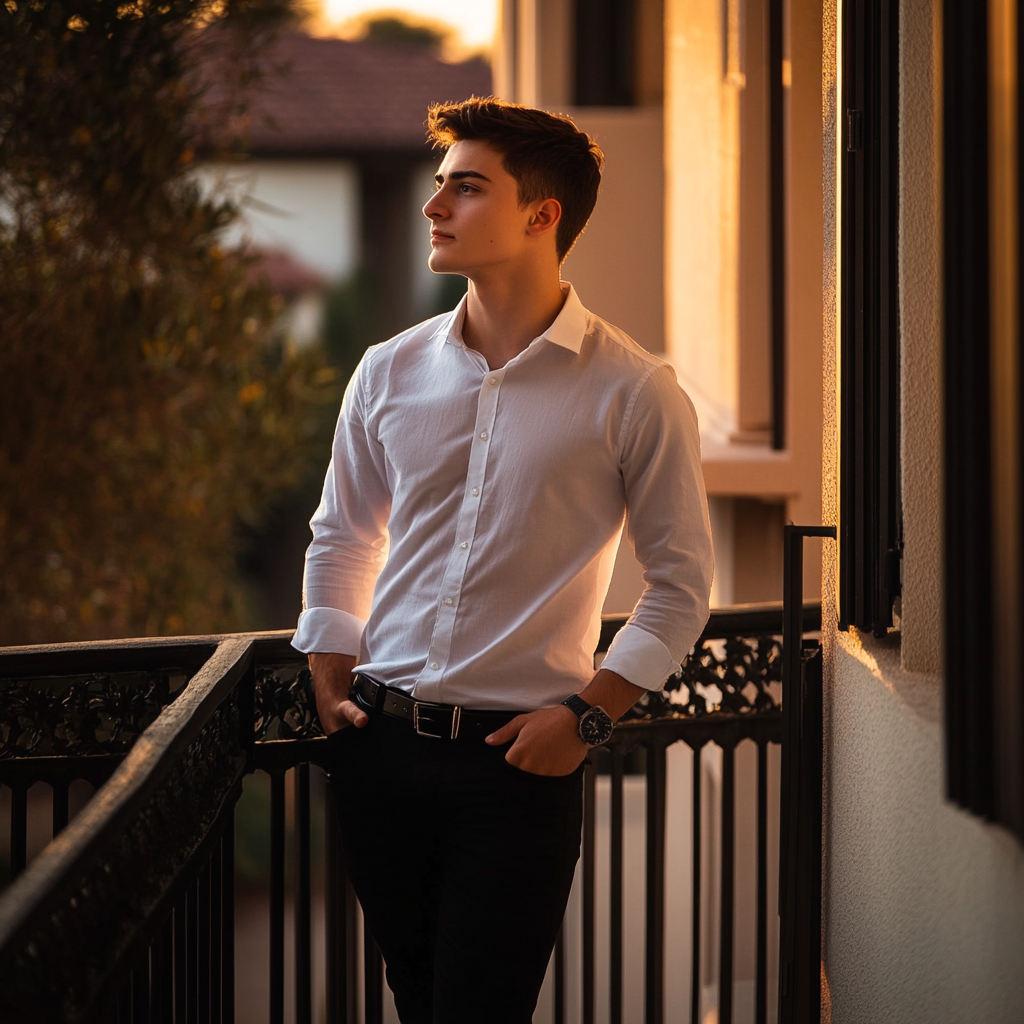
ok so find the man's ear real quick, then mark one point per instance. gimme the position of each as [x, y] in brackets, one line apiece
[545, 217]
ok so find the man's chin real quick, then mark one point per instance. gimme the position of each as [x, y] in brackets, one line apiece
[439, 265]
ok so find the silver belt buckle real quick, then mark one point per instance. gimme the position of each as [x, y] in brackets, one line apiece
[456, 714]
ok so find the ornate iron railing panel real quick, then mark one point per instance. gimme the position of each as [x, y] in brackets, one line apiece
[73, 922]
[101, 713]
[133, 902]
[284, 706]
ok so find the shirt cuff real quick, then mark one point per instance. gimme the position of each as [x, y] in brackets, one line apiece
[640, 658]
[328, 631]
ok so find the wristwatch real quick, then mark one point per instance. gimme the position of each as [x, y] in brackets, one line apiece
[595, 723]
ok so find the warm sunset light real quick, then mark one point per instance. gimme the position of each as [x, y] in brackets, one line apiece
[511, 511]
[475, 20]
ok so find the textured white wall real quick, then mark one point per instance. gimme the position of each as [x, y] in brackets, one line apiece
[923, 904]
[924, 907]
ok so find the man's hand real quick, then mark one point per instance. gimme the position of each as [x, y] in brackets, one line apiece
[547, 742]
[332, 677]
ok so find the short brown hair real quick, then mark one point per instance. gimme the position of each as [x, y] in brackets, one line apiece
[549, 157]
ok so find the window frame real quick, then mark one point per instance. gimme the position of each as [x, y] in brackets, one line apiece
[870, 512]
[984, 576]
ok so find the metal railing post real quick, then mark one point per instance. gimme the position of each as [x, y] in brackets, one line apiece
[615, 910]
[589, 865]
[277, 844]
[800, 831]
[654, 974]
[303, 908]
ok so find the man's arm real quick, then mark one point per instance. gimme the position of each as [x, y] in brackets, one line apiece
[344, 559]
[667, 524]
[547, 742]
[332, 676]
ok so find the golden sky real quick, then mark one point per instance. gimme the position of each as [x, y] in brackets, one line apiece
[475, 20]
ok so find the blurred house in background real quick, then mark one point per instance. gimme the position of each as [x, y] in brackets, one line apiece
[299, 286]
[331, 190]
[338, 169]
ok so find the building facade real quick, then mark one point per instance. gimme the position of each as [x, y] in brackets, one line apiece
[812, 210]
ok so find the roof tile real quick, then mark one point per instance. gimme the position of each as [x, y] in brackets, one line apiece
[332, 96]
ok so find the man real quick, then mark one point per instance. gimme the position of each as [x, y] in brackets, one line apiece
[483, 466]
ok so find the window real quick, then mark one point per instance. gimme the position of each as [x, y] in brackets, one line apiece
[604, 53]
[984, 704]
[869, 503]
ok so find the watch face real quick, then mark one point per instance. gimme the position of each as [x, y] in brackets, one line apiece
[595, 727]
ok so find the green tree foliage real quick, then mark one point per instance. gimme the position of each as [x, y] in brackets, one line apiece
[392, 29]
[148, 404]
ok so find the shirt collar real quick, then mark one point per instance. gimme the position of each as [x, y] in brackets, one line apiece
[570, 326]
[567, 330]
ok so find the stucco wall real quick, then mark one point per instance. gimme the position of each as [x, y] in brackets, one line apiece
[923, 904]
[920, 333]
[616, 266]
[924, 908]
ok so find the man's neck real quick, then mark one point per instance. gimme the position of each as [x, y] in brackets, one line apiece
[504, 313]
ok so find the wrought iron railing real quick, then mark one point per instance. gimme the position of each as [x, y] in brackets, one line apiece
[129, 912]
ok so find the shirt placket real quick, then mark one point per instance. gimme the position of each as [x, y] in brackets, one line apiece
[428, 685]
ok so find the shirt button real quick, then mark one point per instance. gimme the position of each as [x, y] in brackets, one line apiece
[434, 665]
[448, 600]
[483, 435]
[475, 491]
[493, 380]
[464, 545]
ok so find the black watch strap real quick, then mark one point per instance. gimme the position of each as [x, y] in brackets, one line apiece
[577, 705]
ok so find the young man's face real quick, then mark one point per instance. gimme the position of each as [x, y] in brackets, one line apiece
[477, 223]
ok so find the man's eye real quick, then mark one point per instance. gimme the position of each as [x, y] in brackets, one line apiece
[467, 188]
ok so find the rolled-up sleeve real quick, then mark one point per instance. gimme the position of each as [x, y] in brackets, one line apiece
[350, 540]
[668, 527]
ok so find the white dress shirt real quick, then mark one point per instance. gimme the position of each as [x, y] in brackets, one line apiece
[470, 517]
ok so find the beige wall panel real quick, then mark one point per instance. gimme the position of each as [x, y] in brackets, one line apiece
[804, 242]
[831, 136]
[556, 64]
[617, 265]
[503, 59]
[700, 330]
[758, 550]
[921, 333]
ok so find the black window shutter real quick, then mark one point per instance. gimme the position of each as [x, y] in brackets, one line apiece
[967, 442]
[604, 53]
[984, 627]
[869, 508]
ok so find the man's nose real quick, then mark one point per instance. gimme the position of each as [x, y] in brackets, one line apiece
[432, 208]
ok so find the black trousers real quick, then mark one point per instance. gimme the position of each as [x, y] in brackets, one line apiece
[462, 864]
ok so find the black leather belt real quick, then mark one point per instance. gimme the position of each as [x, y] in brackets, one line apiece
[440, 721]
